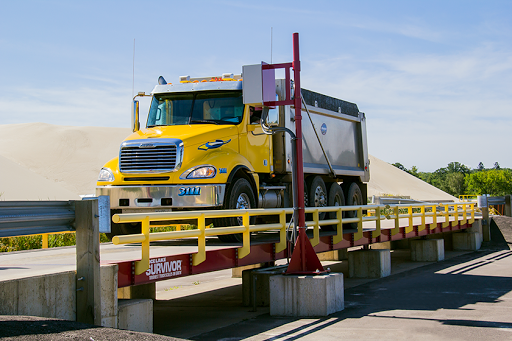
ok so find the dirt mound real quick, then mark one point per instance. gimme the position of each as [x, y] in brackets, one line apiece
[501, 233]
[28, 328]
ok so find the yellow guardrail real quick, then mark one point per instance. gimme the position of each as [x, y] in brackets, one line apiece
[459, 211]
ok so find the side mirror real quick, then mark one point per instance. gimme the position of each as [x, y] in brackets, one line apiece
[135, 116]
[273, 116]
[270, 116]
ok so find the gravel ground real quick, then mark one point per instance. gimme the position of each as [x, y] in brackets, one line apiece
[40, 328]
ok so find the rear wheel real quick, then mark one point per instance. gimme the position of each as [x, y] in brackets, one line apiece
[241, 197]
[354, 198]
[316, 193]
[335, 198]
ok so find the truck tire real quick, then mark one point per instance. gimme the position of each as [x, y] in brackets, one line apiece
[335, 198]
[240, 196]
[354, 198]
[316, 193]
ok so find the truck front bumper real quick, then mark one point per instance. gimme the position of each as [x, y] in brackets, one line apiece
[163, 197]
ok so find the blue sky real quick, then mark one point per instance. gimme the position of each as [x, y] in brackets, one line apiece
[433, 77]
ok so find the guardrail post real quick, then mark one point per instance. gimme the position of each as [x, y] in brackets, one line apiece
[508, 207]
[486, 226]
[88, 296]
[483, 204]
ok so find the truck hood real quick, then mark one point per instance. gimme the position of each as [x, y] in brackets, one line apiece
[191, 135]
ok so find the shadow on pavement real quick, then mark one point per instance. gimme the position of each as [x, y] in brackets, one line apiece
[444, 285]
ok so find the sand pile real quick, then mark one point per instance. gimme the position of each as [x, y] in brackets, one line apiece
[386, 179]
[41, 161]
[58, 162]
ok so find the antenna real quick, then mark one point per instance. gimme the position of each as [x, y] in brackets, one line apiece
[271, 33]
[133, 70]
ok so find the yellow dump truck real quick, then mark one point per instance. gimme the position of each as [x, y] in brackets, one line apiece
[204, 148]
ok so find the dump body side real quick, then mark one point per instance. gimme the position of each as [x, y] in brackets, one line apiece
[341, 133]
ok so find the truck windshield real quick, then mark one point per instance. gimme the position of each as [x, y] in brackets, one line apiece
[211, 107]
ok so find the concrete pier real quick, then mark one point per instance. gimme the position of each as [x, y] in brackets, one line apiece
[427, 250]
[369, 263]
[136, 315]
[303, 296]
[469, 239]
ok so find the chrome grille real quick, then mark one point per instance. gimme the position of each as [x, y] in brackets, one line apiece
[143, 156]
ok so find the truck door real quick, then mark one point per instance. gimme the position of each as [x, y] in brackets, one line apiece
[256, 145]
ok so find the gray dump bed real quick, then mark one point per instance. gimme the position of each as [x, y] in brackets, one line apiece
[341, 129]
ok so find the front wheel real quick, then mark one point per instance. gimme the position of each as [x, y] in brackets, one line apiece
[240, 197]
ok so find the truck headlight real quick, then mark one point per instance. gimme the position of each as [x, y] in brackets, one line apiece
[201, 172]
[106, 175]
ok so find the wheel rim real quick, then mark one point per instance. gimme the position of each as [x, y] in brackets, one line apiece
[320, 197]
[242, 203]
[357, 200]
[337, 200]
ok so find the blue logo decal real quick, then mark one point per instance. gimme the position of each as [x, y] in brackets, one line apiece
[223, 170]
[213, 144]
[323, 129]
[189, 191]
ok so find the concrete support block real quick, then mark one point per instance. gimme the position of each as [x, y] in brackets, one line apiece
[369, 263]
[304, 296]
[9, 297]
[138, 291]
[255, 286]
[136, 315]
[48, 296]
[109, 309]
[470, 241]
[237, 272]
[475, 227]
[334, 255]
[427, 250]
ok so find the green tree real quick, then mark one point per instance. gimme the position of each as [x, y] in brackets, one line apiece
[491, 181]
[455, 184]
[400, 166]
[457, 167]
[414, 171]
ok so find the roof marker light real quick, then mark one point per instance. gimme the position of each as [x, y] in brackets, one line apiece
[184, 79]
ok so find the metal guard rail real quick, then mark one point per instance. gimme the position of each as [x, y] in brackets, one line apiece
[456, 210]
[23, 218]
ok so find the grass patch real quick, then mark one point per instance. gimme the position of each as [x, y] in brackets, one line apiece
[64, 239]
[36, 242]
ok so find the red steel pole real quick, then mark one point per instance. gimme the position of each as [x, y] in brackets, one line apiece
[304, 259]
[298, 132]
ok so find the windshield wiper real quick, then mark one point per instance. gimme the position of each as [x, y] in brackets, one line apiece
[204, 121]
